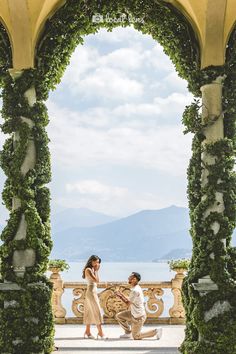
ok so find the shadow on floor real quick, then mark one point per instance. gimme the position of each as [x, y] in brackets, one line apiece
[71, 350]
[106, 340]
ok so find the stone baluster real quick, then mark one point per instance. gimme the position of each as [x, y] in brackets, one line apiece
[59, 311]
[177, 310]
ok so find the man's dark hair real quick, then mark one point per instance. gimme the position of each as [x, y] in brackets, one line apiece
[136, 275]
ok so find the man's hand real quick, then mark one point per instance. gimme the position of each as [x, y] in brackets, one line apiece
[122, 297]
[118, 293]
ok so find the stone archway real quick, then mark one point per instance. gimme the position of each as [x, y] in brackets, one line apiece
[27, 79]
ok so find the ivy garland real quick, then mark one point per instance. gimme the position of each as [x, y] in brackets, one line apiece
[74, 20]
[29, 308]
[26, 320]
[212, 254]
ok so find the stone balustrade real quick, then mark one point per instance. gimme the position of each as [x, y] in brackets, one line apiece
[153, 291]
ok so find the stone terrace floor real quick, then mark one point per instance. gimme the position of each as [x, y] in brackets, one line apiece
[69, 339]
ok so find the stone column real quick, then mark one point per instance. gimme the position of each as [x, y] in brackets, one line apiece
[24, 258]
[212, 119]
[26, 324]
[209, 288]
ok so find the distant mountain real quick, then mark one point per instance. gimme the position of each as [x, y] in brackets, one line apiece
[80, 217]
[176, 254]
[144, 236]
[150, 235]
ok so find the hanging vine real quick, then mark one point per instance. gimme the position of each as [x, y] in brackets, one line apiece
[211, 319]
[29, 307]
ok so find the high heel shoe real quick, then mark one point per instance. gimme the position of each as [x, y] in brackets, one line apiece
[88, 336]
[102, 337]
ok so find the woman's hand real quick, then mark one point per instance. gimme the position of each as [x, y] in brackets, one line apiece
[96, 267]
[92, 273]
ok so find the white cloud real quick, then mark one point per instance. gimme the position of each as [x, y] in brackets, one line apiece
[173, 82]
[143, 115]
[121, 73]
[127, 106]
[110, 84]
[97, 189]
[156, 59]
[109, 199]
[162, 147]
[161, 111]
[124, 58]
[132, 120]
[93, 75]
[83, 59]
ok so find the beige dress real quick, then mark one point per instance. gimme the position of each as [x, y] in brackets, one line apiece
[92, 309]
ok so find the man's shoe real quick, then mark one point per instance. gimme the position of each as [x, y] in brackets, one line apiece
[159, 333]
[126, 336]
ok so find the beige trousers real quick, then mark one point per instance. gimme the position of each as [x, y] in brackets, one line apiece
[125, 319]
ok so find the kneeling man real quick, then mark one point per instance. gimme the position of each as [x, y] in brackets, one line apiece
[136, 314]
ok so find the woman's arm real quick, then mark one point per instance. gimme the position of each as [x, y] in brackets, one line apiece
[92, 275]
[96, 276]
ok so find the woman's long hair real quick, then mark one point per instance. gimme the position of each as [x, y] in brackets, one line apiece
[89, 263]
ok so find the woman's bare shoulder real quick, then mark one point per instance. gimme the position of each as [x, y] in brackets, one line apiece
[88, 271]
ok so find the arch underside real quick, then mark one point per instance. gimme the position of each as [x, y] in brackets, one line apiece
[26, 21]
[155, 16]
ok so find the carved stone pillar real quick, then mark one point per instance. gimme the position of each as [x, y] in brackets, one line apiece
[177, 310]
[59, 311]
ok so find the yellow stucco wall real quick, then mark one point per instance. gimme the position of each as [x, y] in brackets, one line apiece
[23, 20]
[212, 21]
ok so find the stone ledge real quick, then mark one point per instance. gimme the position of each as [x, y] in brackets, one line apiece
[16, 287]
[205, 287]
[154, 321]
[10, 287]
[143, 350]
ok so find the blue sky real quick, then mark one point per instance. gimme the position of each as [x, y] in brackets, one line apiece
[117, 141]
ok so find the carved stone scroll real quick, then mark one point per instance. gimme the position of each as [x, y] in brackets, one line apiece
[154, 304]
[110, 303]
[78, 303]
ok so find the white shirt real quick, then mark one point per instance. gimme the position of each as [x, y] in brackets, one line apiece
[137, 302]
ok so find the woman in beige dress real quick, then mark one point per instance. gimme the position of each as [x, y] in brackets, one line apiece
[92, 309]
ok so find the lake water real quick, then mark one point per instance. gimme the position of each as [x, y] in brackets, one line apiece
[120, 272]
